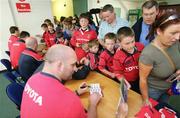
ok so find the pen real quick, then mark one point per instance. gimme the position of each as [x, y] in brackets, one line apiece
[85, 86]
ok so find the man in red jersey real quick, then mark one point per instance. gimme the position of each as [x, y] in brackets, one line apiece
[17, 48]
[14, 36]
[45, 96]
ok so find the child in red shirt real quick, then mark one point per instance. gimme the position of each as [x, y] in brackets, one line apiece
[17, 48]
[51, 35]
[93, 56]
[125, 63]
[14, 36]
[82, 36]
[44, 36]
[106, 57]
[45, 29]
[60, 38]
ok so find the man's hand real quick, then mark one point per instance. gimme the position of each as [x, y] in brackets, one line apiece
[94, 99]
[82, 88]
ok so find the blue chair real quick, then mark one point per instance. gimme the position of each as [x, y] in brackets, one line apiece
[11, 77]
[14, 91]
[7, 64]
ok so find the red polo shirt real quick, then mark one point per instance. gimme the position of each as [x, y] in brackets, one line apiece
[16, 49]
[94, 59]
[125, 64]
[106, 61]
[45, 35]
[82, 36]
[45, 97]
[11, 40]
[50, 38]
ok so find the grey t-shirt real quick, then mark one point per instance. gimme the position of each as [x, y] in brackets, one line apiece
[162, 68]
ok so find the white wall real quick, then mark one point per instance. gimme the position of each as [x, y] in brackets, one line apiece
[124, 5]
[6, 20]
[30, 21]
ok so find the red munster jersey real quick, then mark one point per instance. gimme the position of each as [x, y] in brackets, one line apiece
[94, 59]
[60, 41]
[50, 39]
[11, 40]
[125, 64]
[45, 34]
[106, 61]
[45, 97]
[80, 53]
[16, 49]
[81, 37]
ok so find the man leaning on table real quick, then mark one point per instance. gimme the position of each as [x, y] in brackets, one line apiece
[45, 96]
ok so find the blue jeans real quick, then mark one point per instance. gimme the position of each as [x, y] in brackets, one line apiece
[159, 95]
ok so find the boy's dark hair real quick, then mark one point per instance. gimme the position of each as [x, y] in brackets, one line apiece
[24, 34]
[47, 21]
[84, 15]
[150, 3]
[92, 43]
[13, 29]
[67, 21]
[44, 25]
[62, 18]
[50, 24]
[111, 36]
[108, 7]
[124, 32]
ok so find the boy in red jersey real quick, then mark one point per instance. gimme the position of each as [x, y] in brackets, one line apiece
[17, 48]
[60, 38]
[14, 36]
[125, 63]
[93, 54]
[106, 57]
[51, 35]
[82, 36]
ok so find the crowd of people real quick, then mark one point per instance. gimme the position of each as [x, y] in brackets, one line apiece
[144, 56]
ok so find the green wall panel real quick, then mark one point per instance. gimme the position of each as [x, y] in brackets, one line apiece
[80, 6]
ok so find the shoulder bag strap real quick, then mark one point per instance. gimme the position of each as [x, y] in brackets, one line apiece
[167, 56]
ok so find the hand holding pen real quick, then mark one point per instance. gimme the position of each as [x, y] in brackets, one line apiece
[82, 88]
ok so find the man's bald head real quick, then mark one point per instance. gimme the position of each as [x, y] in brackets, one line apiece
[60, 61]
[59, 52]
[31, 42]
